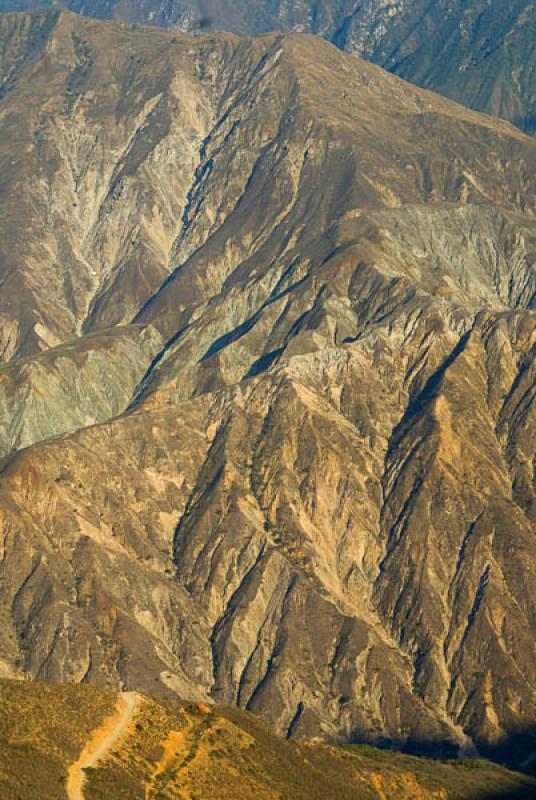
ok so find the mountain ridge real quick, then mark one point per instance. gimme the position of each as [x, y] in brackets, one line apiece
[332, 277]
[481, 54]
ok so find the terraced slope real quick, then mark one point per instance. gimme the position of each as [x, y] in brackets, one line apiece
[268, 330]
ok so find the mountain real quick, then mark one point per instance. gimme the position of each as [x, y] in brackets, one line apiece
[169, 749]
[478, 52]
[267, 325]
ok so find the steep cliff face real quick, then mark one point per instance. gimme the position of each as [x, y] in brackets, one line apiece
[270, 333]
[479, 53]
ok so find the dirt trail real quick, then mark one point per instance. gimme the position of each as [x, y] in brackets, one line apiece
[102, 741]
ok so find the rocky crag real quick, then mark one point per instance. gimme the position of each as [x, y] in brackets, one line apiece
[267, 419]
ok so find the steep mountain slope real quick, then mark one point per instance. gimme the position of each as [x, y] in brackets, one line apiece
[288, 302]
[173, 750]
[480, 53]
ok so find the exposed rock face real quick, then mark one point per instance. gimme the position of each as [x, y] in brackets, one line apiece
[290, 299]
[477, 52]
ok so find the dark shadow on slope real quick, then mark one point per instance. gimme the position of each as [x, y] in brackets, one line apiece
[264, 362]
[144, 382]
[516, 753]
[438, 750]
[523, 793]
[201, 24]
[426, 395]
[527, 123]
[230, 337]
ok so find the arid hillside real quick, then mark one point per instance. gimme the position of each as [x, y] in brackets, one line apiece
[267, 410]
[479, 52]
[170, 749]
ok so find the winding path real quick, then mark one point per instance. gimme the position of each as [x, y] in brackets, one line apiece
[101, 742]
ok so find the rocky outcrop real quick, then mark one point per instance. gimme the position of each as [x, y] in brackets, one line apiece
[289, 382]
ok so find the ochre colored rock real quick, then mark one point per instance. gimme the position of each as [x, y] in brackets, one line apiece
[267, 418]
